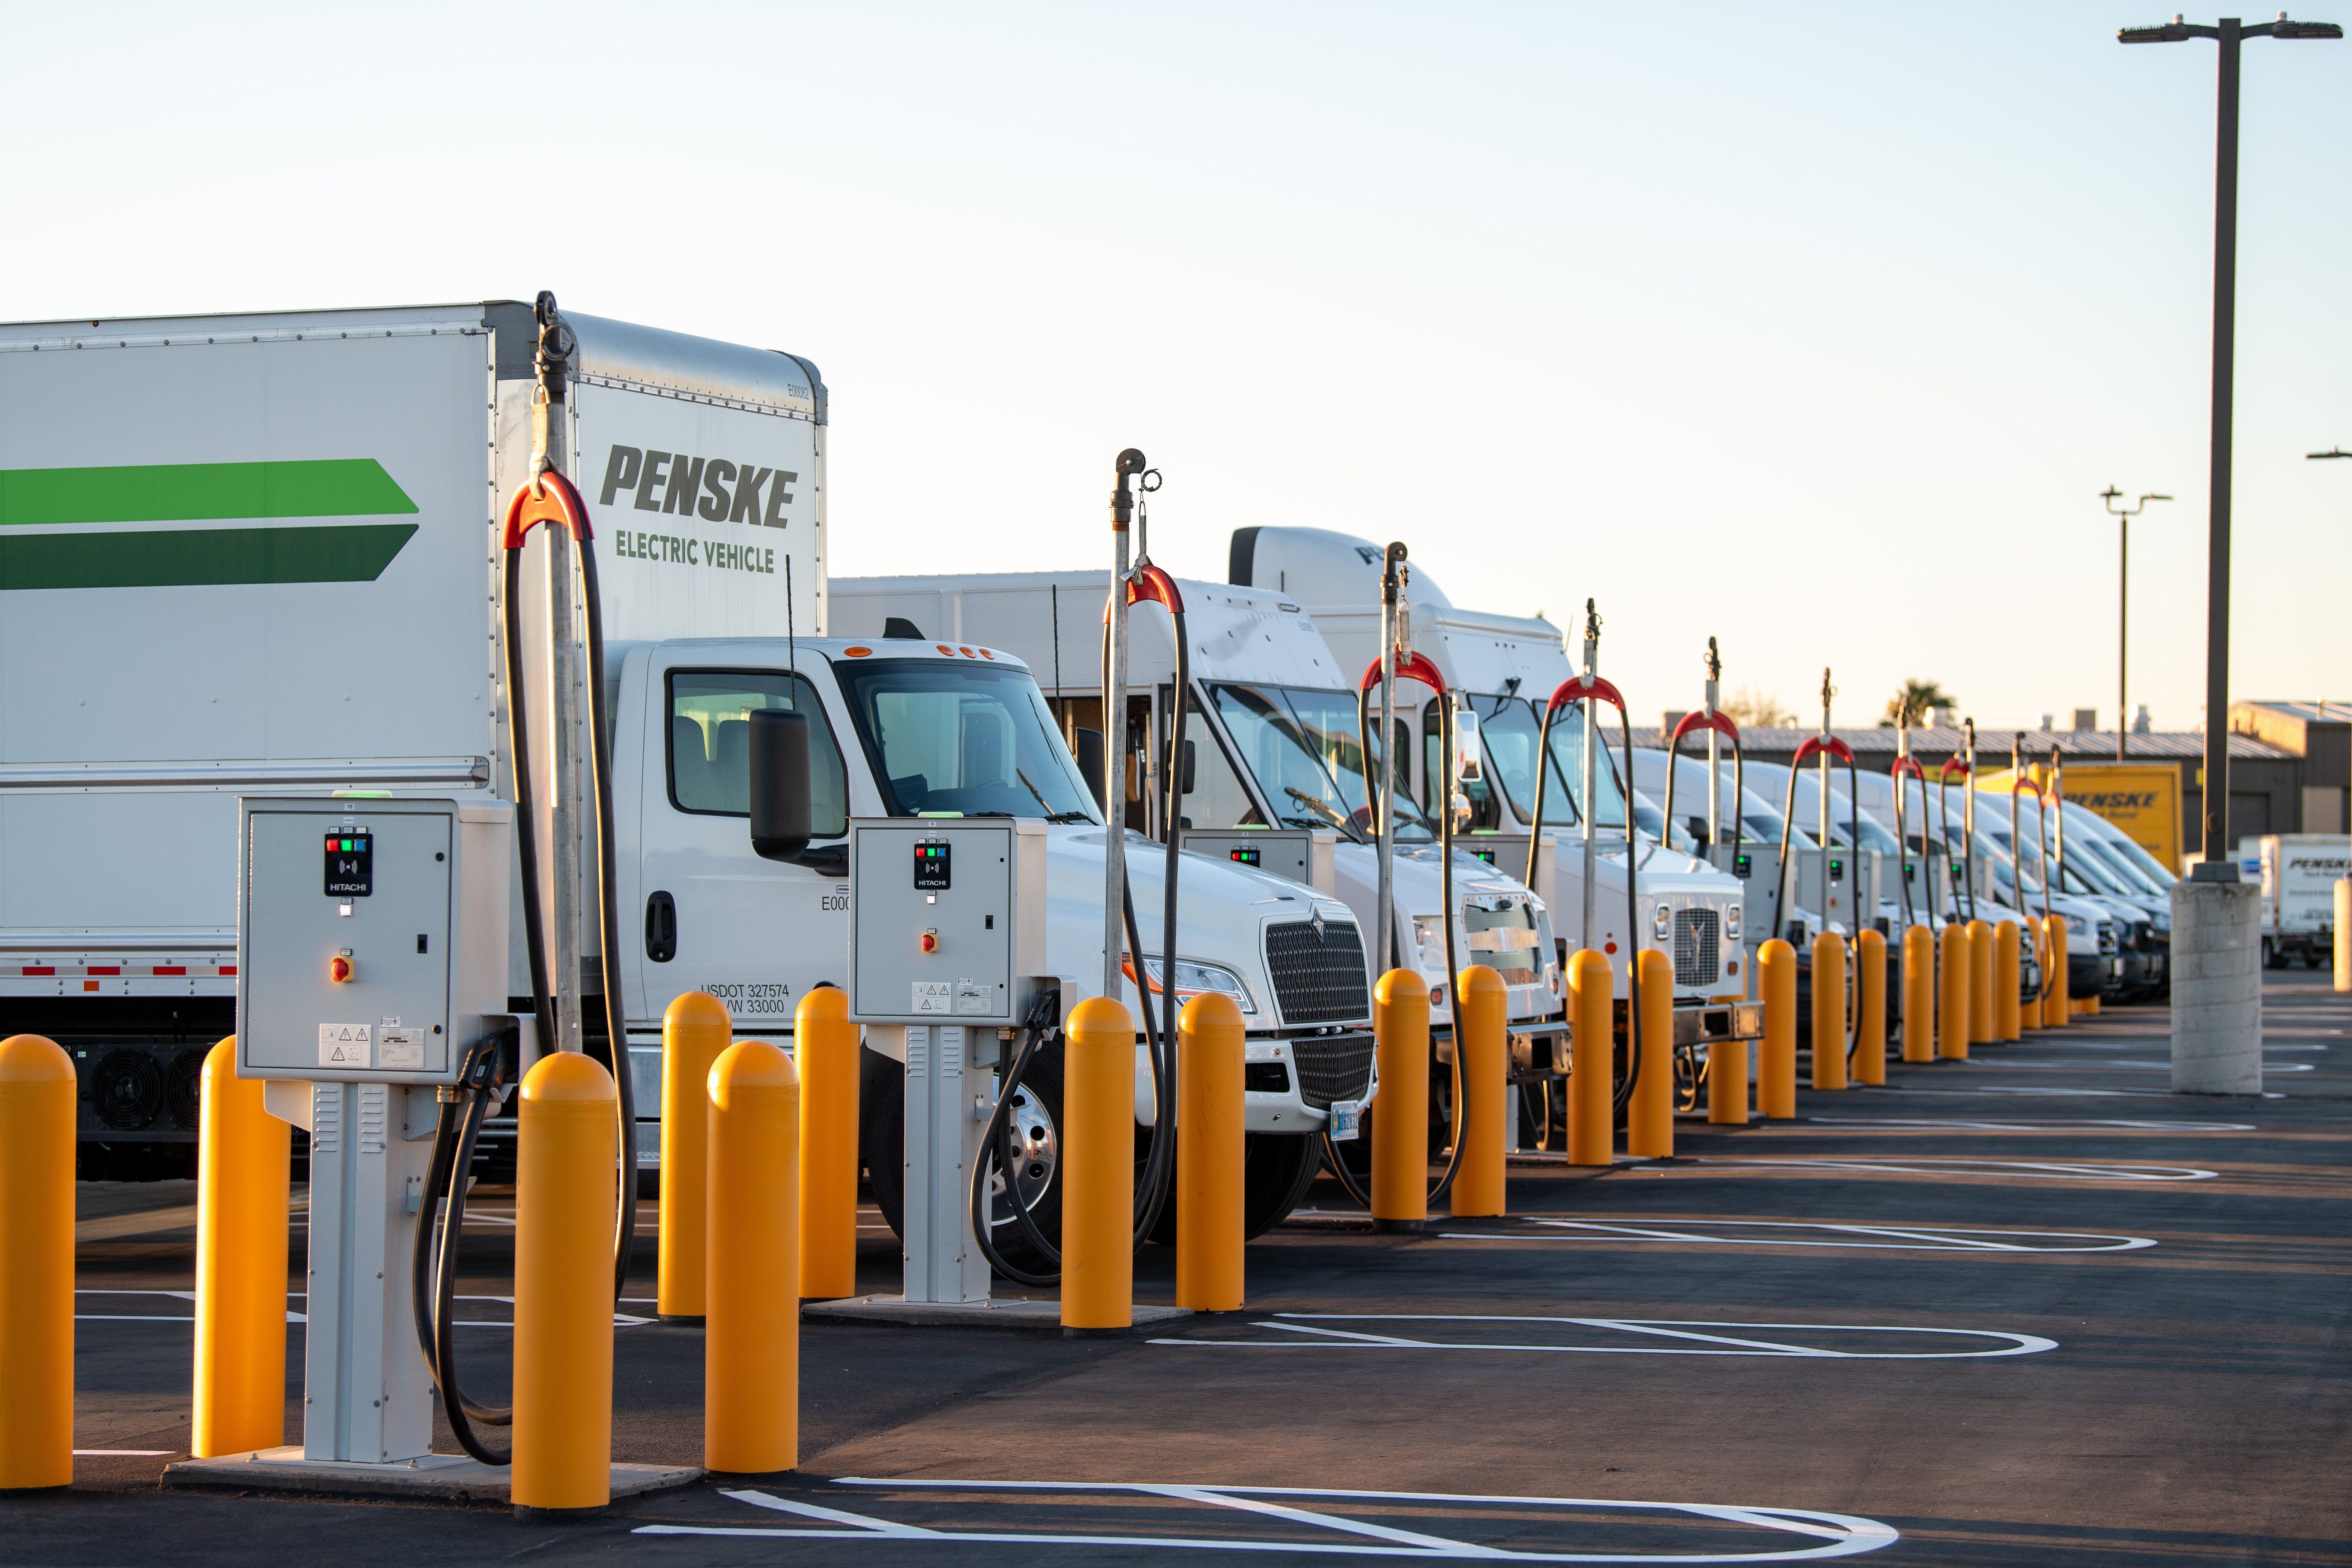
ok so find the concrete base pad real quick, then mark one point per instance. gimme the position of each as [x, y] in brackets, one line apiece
[443, 1478]
[1014, 1313]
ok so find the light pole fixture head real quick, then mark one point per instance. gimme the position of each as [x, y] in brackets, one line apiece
[2331, 452]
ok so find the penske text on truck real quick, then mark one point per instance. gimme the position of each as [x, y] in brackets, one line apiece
[258, 554]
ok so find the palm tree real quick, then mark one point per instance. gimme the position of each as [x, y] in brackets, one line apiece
[1916, 697]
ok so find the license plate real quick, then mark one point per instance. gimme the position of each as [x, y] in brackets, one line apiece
[1347, 1120]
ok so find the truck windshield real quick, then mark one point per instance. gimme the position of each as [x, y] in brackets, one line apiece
[970, 739]
[1301, 746]
[1513, 732]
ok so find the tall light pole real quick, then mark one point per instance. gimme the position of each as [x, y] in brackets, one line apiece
[2123, 516]
[2320, 457]
[2218, 864]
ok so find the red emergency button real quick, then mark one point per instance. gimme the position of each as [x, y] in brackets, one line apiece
[930, 941]
[338, 968]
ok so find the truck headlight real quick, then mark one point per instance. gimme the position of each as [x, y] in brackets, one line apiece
[1731, 920]
[1662, 923]
[1429, 944]
[1200, 979]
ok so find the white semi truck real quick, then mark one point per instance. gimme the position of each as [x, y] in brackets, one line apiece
[1271, 748]
[1507, 667]
[259, 555]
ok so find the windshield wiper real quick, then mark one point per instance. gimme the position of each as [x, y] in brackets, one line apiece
[1355, 836]
[1050, 815]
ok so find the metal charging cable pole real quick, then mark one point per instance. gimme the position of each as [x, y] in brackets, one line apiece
[1387, 939]
[1592, 787]
[1969, 816]
[1131, 463]
[1714, 757]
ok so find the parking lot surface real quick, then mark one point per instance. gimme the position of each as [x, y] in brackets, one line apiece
[2026, 1309]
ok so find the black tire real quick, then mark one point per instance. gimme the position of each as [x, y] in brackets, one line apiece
[882, 1135]
[1277, 1169]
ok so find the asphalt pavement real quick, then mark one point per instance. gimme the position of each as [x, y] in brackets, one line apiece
[2031, 1308]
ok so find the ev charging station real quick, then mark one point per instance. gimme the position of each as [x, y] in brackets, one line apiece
[1307, 855]
[946, 946]
[371, 954]
[1838, 883]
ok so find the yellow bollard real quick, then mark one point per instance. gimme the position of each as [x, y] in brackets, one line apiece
[751, 1340]
[2343, 955]
[2090, 1004]
[694, 1029]
[1919, 995]
[1209, 1208]
[1098, 1166]
[824, 1054]
[1829, 1011]
[37, 1263]
[1401, 1110]
[1870, 1007]
[1776, 1074]
[1592, 1081]
[1650, 1123]
[1953, 983]
[1726, 1083]
[242, 1178]
[1980, 968]
[2006, 962]
[1481, 1033]
[2055, 1006]
[567, 1196]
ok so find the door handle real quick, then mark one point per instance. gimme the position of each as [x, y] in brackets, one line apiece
[661, 928]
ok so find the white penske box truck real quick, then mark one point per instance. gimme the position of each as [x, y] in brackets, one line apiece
[257, 555]
[2300, 871]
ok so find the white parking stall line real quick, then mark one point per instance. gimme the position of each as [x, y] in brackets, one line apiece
[1842, 1236]
[620, 1320]
[2055, 1065]
[2057, 1169]
[2036, 1124]
[1692, 1330]
[1822, 1534]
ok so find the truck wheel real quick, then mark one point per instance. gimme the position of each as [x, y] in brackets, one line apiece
[1277, 1169]
[882, 1141]
[882, 1135]
[2272, 957]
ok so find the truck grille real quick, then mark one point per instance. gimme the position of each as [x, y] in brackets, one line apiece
[1332, 1067]
[1318, 979]
[1698, 957]
[2106, 940]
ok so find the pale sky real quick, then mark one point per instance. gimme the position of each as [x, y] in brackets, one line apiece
[1816, 328]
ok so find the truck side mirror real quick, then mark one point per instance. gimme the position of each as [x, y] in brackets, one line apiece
[1191, 756]
[780, 783]
[1088, 748]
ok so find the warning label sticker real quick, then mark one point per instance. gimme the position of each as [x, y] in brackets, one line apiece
[972, 996]
[932, 996]
[401, 1049]
[345, 1045]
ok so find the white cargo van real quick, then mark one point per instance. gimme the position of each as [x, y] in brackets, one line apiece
[258, 554]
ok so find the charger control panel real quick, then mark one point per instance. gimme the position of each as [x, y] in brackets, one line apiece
[372, 935]
[947, 919]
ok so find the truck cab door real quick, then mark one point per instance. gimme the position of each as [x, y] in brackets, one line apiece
[712, 915]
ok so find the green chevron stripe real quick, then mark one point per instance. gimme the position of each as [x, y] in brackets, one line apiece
[167, 492]
[201, 557]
